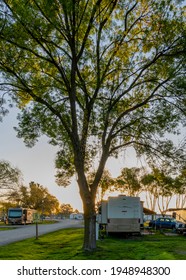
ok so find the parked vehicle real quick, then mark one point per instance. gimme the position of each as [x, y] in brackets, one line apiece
[121, 214]
[76, 216]
[168, 223]
[21, 215]
[181, 228]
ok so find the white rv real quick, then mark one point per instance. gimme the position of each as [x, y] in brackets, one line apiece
[121, 214]
[76, 216]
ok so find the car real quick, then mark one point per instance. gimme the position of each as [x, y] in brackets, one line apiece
[181, 228]
[167, 223]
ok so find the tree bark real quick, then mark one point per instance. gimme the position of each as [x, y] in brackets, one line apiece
[88, 199]
[88, 196]
[89, 243]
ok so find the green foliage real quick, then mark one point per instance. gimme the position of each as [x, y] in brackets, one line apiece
[129, 181]
[66, 245]
[65, 165]
[3, 228]
[106, 182]
[36, 197]
[115, 78]
[180, 188]
[159, 185]
[66, 210]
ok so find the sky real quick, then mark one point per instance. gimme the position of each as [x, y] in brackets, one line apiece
[37, 163]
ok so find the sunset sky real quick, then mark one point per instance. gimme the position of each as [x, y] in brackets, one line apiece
[37, 163]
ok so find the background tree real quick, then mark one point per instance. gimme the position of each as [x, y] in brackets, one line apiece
[96, 77]
[158, 188]
[180, 189]
[23, 196]
[65, 210]
[4, 206]
[42, 200]
[165, 185]
[10, 179]
[105, 184]
[36, 197]
[129, 182]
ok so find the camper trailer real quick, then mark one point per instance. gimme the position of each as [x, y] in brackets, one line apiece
[121, 214]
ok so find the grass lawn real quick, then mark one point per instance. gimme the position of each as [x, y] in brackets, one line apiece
[3, 226]
[6, 228]
[66, 245]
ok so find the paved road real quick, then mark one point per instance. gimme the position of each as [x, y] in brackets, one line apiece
[27, 231]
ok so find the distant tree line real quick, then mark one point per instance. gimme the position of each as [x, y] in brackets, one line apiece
[156, 185]
[14, 194]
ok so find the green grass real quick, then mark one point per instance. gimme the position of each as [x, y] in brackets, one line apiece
[67, 245]
[6, 228]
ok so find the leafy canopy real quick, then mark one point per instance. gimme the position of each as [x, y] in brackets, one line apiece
[94, 76]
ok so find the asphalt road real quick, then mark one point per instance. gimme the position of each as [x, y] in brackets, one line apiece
[27, 231]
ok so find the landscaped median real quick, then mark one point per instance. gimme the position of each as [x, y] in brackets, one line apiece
[66, 244]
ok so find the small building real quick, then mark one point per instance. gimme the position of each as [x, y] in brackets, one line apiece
[178, 213]
[148, 214]
[147, 211]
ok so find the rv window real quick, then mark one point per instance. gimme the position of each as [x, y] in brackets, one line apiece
[15, 213]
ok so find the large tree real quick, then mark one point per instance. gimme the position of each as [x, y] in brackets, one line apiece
[96, 77]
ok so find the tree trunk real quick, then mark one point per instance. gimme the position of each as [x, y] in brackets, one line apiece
[88, 195]
[88, 199]
[89, 243]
